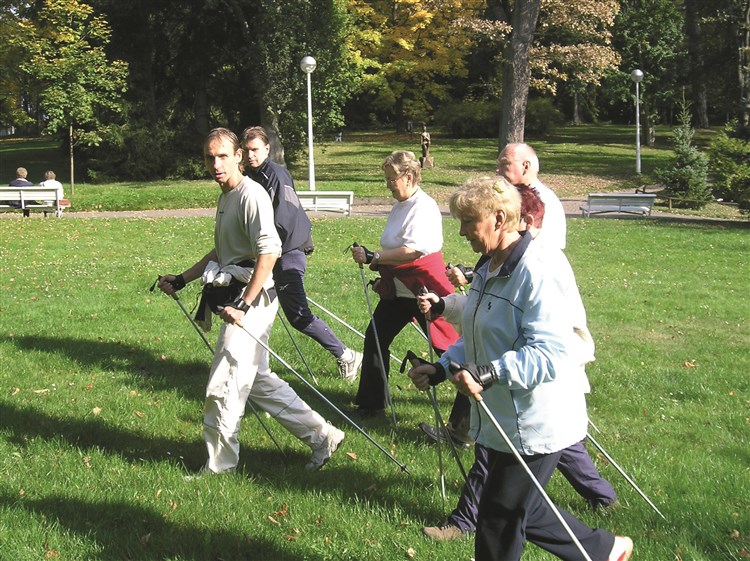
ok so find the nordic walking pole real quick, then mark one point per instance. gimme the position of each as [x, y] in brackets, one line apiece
[296, 346]
[394, 358]
[210, 348]
[625, 475]
[321, 396]
[478, 398]
[334, 316]
[433, 399]
[444, 430]
[388, 399]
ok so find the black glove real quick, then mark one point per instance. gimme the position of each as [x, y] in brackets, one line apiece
[178, 283]
[467, 272]
[240, 304]
[436, 308]
[369, 255]
[435, 378]
[483, 374]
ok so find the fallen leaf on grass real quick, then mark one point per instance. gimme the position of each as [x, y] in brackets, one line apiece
[139, 414]
[290, 538]
[283, 511]
[735, 534]
[273, 521]
[87, 461]
[52, 554]
[689, 364]
[744, 553]
[145, 538]
[40, 392]
[352, 455]
[15, 391]
[410, 553]
[96, 410]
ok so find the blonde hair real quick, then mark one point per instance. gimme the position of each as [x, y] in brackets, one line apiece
[404, 161]
[481, 197]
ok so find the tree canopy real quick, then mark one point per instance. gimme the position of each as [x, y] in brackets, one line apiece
[142, 81]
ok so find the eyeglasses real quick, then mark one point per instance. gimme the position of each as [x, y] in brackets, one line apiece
[394, 182]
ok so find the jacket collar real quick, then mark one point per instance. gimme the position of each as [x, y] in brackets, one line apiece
[515, 256]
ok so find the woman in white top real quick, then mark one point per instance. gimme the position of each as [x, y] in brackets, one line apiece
[51, 183]
[409, 258]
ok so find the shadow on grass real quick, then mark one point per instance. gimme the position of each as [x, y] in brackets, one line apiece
[124, 531]
[149, 370]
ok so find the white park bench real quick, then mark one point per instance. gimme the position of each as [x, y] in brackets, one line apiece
[27, 199]
[336, 201]
[628, 203]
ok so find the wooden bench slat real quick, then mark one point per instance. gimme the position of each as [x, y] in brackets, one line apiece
[627, 203]
[337, 201]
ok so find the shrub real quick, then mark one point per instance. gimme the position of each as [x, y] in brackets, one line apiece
[686, 175]
[470, 119]
[729, 163]
[542, 117]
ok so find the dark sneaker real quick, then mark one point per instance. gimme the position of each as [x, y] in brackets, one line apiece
[361, 413]
[443, 532]
[434, 435]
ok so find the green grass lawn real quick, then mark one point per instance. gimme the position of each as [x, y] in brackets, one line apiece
[101, 386]
[575, 161]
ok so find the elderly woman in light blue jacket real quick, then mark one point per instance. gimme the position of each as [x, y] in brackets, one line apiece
[522, 351]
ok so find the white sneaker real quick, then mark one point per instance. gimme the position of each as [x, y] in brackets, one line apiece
[323, 453]
[349, 364]
[622, 550]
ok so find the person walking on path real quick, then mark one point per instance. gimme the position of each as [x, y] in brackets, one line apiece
[409, 257]
[575, 463]
[295, 231]
[246, 245]
[520, 354]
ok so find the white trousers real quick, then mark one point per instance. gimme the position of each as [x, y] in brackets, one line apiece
[240, 370]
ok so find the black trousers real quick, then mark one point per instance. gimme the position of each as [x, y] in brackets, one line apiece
[512, 511]
[390, 317]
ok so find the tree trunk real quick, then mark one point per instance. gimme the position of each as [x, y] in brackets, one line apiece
[576, 109]
[742, 21]
[72, 164]
[697, 65]
[516, 71]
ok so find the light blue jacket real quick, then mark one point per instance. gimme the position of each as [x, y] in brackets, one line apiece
[523, 322]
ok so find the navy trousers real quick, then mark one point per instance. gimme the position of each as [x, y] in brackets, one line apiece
[575, 464]
[513, 511]
[288, 275]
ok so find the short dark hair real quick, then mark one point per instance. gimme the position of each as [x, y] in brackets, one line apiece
[251, 133]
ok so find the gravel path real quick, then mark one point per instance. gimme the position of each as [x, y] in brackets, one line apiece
[362, 207]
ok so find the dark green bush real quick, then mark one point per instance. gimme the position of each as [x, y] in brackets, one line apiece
[729, 163]
[542, 117]
[470, 119]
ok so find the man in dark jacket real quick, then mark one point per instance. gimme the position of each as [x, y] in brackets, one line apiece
[295, 231]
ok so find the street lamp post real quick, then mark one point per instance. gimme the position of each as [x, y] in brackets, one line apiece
[308, 64]
[636, 75]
